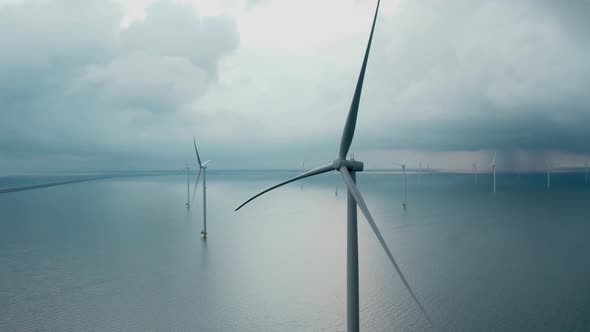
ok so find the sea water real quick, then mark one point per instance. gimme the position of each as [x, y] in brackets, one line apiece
[125, 254]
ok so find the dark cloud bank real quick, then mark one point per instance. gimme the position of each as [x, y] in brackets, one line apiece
[77, 91]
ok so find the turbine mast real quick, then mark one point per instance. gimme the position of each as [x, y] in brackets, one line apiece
[494, 169]
[405, 185]
[420, 172]
[548, 167]
[204, 231]
[188, 189]
[493, 164]
[352, 264]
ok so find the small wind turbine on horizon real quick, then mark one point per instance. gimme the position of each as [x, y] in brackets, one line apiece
[586, 164]
[188, 189]
[202, 168]
[420, 172]
[403, 165]
[348, 170]
[474, 169]
[548, 166]
[493, 164]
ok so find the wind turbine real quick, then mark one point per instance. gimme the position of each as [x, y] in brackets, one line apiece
[493, 164]
[420, 172]
[586, 163]
[548, 165]
[403, 165]
[474, 169]
[348, 169]
[188, 190]
[203, 168]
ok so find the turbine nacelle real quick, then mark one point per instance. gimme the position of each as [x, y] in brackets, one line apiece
[352, 165]
[403, 164]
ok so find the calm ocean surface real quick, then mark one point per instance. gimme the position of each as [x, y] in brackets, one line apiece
[125, 254]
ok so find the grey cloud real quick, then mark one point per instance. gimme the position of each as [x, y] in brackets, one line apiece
[480, 75]
[146, 82]
[443, 76]
[176, 31]
[74, 85]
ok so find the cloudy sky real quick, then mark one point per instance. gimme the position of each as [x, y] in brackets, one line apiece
[100, 85]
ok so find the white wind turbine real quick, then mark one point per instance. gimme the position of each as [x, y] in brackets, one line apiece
[188, 190]
[348, 169]
[493, 164]
[403, 165]
[420, 172]
[203, 168]
[474, 169]
[548, 165]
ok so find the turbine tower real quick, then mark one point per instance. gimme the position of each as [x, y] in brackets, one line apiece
[188, 190]
[586, 172]
[403, 165]
[348, 169]
[474, 169]
[548, 165]
[493, 164]
[420, 172]
[202, 168]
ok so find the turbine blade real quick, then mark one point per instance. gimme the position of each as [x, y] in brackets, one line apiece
[352, 188]
[315, 171]
[197, 151]
[196, 184]
[349, 126]
[205, 163]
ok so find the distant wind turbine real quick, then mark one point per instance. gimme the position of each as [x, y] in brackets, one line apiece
[420, 172]
[474, 169]
[586, 172]
[493, 164]
[348, 169]
[548, 166]
[403, 165]
[203, 168]
[188, 190]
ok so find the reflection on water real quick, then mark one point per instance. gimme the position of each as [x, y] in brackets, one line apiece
[125, 254]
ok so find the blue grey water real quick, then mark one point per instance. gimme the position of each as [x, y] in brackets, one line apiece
[125, 254]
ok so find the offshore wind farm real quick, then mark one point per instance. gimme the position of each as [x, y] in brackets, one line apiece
[110, 220]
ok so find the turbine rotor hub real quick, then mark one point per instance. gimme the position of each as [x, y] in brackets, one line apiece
[351, 165]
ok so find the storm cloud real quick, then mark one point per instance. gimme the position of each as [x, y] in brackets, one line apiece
[83, 86]
[75, 83]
